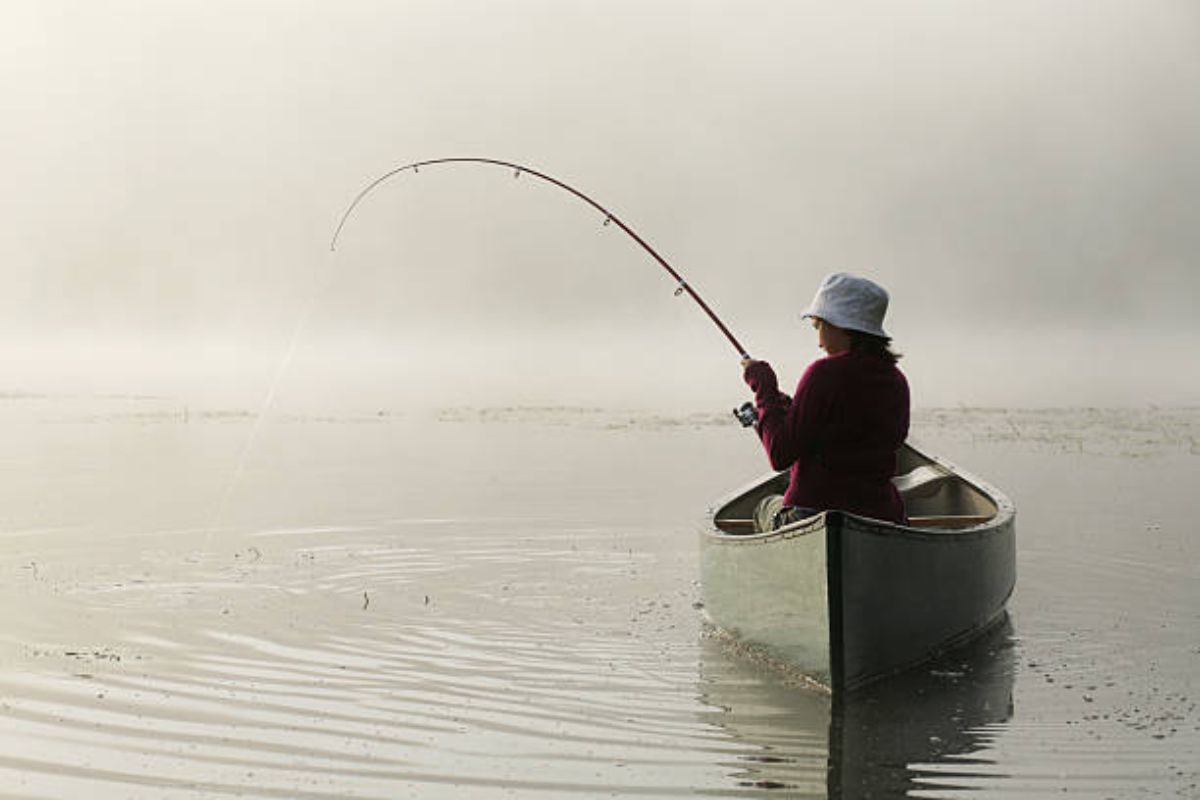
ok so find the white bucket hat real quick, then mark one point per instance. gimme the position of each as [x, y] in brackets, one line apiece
[847, 301]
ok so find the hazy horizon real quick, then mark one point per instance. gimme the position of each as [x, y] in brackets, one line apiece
[1023, 177]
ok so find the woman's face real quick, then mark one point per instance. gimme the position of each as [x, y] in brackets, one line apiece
[830, 338]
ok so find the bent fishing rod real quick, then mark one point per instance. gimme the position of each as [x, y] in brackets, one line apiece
[518, 171]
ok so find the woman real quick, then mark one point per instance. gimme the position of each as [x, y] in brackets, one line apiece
[841, 431]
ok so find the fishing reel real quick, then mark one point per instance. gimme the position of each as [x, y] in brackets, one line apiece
[746, 414]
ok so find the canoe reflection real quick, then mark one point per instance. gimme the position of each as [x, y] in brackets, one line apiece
[882, 741]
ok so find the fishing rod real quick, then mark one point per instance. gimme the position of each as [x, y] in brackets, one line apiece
[518, 171]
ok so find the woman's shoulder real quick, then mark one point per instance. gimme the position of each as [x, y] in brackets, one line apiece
[818, 366]
[850, 364]
[822, 371]
[832, 364]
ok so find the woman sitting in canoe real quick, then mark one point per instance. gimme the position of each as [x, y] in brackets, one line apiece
[841, 430]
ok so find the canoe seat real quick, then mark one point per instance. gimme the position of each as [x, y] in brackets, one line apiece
[924, 481]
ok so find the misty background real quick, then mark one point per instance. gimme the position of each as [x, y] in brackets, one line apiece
[1024, 177]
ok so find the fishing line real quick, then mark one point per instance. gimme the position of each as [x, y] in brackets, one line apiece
[518, 171]
[239, 469]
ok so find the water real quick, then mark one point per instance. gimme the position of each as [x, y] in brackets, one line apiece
[500, 603]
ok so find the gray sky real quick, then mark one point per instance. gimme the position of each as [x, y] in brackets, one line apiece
[1023, 176]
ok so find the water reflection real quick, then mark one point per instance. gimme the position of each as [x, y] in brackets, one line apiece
[920, 730]
[881, 737]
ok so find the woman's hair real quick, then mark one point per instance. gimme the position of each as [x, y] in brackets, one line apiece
[872, 345]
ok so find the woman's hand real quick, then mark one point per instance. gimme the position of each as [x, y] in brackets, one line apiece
[758, 374]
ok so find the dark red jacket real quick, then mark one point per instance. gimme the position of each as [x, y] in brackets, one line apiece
[839, 434]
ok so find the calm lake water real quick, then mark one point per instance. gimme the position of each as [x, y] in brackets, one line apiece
[501, 603]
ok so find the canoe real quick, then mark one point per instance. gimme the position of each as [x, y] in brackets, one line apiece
[846, 600]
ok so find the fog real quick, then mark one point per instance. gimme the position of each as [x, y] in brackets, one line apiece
[1023, 177]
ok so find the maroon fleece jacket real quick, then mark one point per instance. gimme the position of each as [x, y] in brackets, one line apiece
[839, 434]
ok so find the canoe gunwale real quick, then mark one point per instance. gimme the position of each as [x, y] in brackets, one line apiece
[804, 527]
[1005, 511]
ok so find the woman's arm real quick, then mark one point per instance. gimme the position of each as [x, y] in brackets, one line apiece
[787, 427]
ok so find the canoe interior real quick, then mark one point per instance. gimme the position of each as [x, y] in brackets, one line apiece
[940, 499]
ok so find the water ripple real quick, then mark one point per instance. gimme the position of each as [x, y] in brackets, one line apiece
[378, 698]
